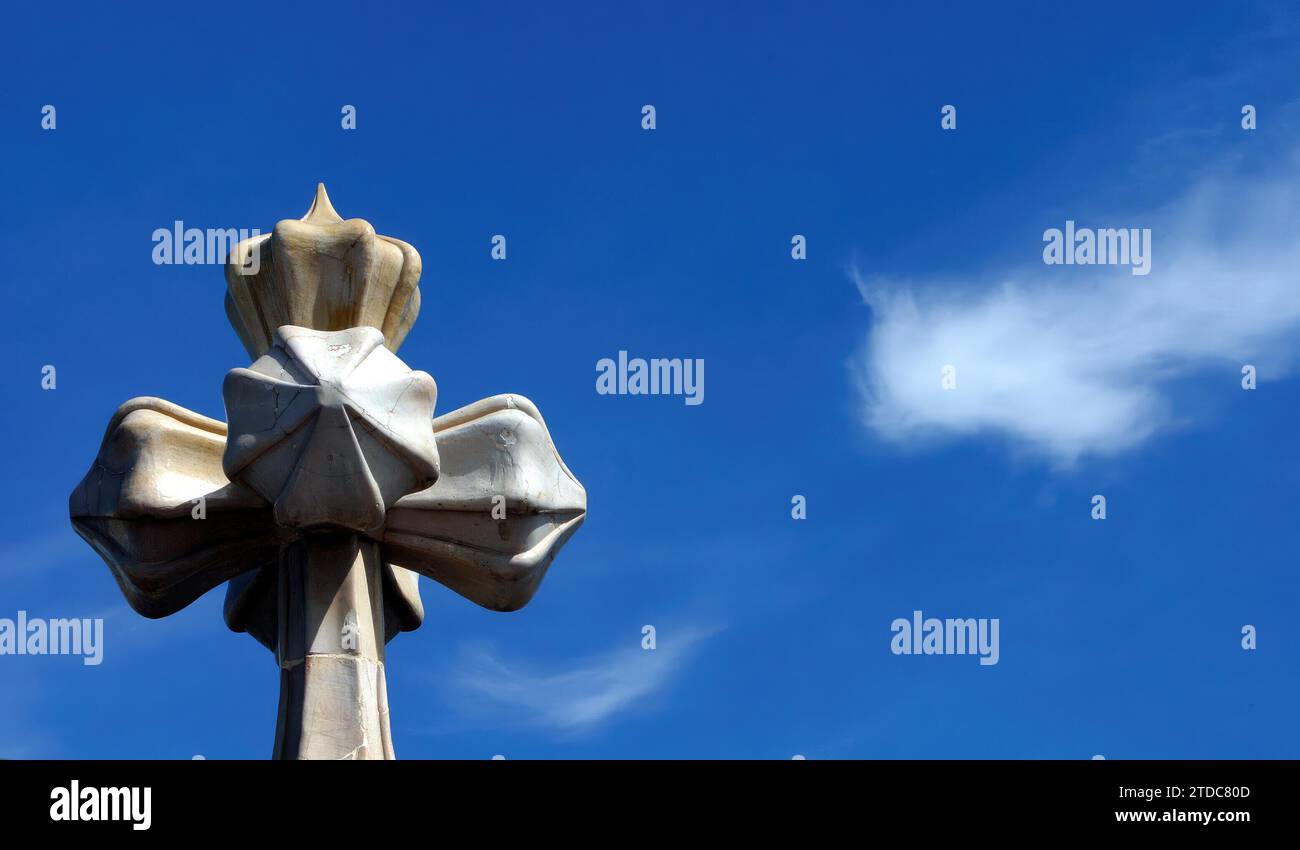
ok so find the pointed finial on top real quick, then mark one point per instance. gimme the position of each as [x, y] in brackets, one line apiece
[322, 211]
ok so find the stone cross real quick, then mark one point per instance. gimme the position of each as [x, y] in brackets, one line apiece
[332, 487]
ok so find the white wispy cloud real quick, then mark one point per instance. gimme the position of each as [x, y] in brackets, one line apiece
[1067, 361]
[579, 697]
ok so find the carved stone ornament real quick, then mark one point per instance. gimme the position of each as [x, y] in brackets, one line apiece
[332, 488]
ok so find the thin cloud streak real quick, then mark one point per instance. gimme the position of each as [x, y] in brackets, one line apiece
[575, 700]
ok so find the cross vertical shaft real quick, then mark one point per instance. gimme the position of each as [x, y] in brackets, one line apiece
[333, 696]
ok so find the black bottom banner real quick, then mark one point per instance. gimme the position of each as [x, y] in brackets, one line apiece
[207, 799]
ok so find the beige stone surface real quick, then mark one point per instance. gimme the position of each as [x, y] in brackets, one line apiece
[332, 487]
[325, 273]
[498, 448]
[331, 428]
[136, 507]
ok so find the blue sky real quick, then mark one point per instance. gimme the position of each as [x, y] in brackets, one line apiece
[1118, 637]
